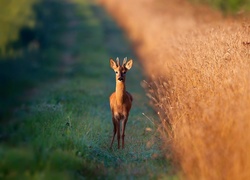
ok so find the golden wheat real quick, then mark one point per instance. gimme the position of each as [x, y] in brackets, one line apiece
[198, 66]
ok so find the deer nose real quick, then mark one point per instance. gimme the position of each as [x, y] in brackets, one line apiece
[120, 78]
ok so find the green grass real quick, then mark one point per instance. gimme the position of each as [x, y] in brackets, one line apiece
[58, 123]
[227, 6]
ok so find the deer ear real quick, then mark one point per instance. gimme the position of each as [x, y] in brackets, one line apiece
[113, 64]
[129, 64]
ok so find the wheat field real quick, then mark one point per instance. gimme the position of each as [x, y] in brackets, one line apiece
[197, 63]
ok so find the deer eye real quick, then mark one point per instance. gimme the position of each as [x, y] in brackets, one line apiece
[116, 72]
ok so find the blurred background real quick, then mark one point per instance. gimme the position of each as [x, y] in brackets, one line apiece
[28, 39]
[227, 7]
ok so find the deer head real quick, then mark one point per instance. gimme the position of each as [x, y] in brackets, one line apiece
[120, 70]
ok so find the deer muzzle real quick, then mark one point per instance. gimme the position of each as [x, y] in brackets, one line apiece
[120, 78]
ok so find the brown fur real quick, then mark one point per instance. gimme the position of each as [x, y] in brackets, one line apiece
[120, 100]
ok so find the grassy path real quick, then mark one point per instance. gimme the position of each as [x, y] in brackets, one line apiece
[64, 129]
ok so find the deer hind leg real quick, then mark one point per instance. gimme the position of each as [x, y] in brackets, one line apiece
[124, 122]
[114, 132]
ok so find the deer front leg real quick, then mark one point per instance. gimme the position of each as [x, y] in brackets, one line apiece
[114, 132]
[124, 122]
[118, 133]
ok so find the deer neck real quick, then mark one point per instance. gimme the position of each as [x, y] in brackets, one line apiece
[120, 92]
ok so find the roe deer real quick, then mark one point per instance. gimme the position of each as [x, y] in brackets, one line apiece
[120, 100]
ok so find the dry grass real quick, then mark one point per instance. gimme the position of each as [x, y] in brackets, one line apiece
[200, 83]
[206, 101]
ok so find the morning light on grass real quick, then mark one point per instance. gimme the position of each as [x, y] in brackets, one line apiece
[188, 77]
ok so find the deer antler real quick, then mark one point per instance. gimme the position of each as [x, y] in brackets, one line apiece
[118, 61]
[124, 61]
